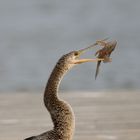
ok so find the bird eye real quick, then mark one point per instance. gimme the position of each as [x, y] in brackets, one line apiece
[76, 54]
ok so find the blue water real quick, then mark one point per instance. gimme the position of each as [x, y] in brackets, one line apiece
[34, 34]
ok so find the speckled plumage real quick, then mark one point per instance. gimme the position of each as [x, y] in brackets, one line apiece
[61, 113]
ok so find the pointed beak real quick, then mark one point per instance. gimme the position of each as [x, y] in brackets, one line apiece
[80, 61]
[92, 45]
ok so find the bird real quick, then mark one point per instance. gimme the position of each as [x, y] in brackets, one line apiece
[61, 112]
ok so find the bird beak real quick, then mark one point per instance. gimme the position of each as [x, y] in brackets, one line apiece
[79, 61]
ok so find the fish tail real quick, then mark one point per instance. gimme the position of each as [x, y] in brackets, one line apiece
[97, 69]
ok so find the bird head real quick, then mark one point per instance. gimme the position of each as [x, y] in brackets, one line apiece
[73, 58]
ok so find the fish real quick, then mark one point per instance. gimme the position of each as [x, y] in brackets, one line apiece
[104, 53]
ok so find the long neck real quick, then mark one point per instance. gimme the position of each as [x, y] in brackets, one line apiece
[61, 112]
[53, 83]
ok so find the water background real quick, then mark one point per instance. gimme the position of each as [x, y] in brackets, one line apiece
[34, 34]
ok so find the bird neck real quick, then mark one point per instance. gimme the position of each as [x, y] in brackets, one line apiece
[54, 82]
[60, 111]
